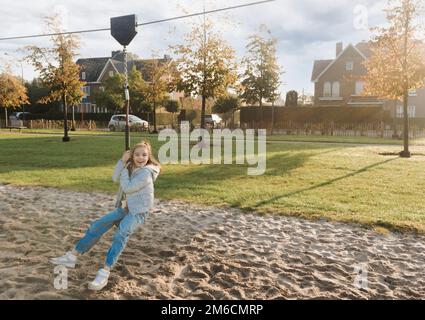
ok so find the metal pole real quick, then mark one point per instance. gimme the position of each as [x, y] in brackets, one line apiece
[127, 102]
[65, 109]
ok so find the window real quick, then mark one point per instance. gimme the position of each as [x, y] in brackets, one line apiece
[83, 75]
[411, 111]
[86, 91]
[102, 89]
[111, 73]
[327, 89]
[359, 87]
[335, 89]
[349, 65]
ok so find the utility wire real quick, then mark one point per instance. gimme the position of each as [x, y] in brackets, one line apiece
[139, 24]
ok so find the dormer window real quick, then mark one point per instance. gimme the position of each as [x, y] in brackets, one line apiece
[83, 75]
[111, 73]
[349, 66]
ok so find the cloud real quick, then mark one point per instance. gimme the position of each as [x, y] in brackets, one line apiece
[306, 29]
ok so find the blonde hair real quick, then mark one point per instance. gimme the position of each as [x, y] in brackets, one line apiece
[151, 158]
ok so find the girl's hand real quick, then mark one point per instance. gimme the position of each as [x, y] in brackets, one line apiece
[125, 156]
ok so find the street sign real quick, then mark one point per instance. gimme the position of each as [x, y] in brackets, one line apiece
[123, 28]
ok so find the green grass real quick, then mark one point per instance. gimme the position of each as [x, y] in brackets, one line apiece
[74, 133]
[291, 138]
[336, 181]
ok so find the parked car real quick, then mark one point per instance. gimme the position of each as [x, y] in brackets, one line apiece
[212, 120]
[117, 123]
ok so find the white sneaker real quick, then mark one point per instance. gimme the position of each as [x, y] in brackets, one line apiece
[67, 260]
[100, 281]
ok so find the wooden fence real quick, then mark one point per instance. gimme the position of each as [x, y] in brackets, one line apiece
[336, 129]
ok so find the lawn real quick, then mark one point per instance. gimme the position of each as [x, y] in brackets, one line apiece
[337, 181]
[277, 137]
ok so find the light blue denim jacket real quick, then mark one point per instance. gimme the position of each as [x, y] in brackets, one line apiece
[137, 189]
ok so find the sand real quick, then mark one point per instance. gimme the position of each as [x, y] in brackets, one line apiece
[187, 251]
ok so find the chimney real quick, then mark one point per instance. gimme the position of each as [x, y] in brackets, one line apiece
[114, 53]
[338, 48]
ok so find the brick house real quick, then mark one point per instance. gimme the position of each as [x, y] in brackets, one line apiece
[416, 107]
[95, 71]
[338, 82]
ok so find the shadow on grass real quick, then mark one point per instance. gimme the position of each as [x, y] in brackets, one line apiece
[210, 178]
[326, 183]
[29, 153]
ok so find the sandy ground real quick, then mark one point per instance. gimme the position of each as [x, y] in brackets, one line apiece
[194, 252]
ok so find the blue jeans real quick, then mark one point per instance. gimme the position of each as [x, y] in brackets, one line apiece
[126, 222]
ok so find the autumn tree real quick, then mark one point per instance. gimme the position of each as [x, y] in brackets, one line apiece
[158, 78]
[12, 92]
[206, 64]
[397, 63]
[261, 77]
[57, 68]
[113, 98]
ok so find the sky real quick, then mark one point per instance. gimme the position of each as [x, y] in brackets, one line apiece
[306, 30]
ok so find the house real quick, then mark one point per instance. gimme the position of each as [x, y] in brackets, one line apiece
[338, 82]
[95, 71]
[416, 105]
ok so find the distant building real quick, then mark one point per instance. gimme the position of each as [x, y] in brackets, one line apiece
[338, 82]
[95, 71]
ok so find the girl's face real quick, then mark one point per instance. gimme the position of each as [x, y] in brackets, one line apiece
[140, 156]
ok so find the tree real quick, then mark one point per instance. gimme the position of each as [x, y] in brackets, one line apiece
[57, 68]
[291, 99]
[158, 84]
[227, 105]
[36, 90]
[397, 63]
[206, 64]
[12, 92]
[113, 98]
[261, 78]
[172, 106]
[190, 116]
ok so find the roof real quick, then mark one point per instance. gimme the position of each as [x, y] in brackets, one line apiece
[322, 68]
[319, 66]
[365, 48]
[92, 67]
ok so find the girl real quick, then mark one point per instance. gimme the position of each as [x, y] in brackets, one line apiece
[136, 172]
